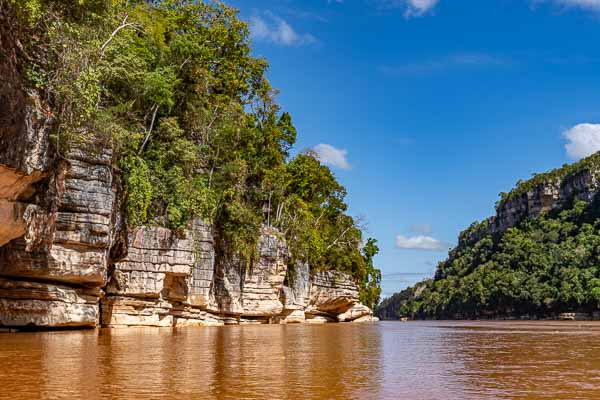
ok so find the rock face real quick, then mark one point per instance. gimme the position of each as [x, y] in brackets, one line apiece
[358, 311]
[67, 258]
[253, 290]
[56, 223]
[47, 305]
[69, 240]
[331, 292]
[65, 242]
[163, 279]
[295, 297]
[544, 197]
[170, 280]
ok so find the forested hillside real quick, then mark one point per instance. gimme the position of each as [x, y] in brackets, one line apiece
[171, 89]
[539, 256]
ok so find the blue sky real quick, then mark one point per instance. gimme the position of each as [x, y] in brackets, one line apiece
[426, 109]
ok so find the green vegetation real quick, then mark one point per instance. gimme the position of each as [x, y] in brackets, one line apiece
[172, 89]
[541, 267]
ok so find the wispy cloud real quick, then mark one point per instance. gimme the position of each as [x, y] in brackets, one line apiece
[274, 29]
[453, 61]
[583, 140]
[412, 8]
[332, 156]
[420, 242]
[404, 275]
[423, 229]
[591, 5]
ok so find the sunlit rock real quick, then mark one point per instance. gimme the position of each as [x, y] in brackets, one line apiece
[46, 305]
[355, 312]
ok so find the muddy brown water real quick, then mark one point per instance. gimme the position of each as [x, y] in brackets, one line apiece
[390, 360]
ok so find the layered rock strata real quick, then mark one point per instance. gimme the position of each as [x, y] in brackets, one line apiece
[61, 257]
[170, 280]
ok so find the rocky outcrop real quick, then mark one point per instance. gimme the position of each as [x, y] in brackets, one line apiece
[545, 197]
[263, 281]
[64, 247]
[552, 193]
[356, 312]
[173, 280]
[165, 280]
[68, 240]
[24, 161]
[46, 305]
[253, 290]
[295, 296]
[332, 293]
[57, 223]
[67, 258]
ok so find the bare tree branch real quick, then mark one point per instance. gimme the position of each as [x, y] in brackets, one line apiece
[212, 169]
[149, 133]
[319, 218]
[339, 237]
[123, 25]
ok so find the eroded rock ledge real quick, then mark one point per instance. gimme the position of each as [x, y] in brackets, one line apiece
[67, 259]
[166, 280]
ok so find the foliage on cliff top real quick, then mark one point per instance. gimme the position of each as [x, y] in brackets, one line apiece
[172, 88]
[558, 175]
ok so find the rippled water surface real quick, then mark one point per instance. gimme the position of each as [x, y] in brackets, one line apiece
[416, 360]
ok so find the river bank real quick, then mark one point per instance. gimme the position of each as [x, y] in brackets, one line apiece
[566, 316]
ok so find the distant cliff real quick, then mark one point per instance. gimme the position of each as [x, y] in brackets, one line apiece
[537, 257]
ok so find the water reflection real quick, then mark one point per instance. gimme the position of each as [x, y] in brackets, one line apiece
[238, 362]
[350, 361]
[542, 361]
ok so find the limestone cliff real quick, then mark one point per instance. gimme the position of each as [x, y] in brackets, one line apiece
[67, 258]
[542, 194]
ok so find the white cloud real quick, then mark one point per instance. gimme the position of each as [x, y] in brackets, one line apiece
[420, 242]
[412, 8]
[416, 8]
[584, 140]
[276, 30]
[332, 156]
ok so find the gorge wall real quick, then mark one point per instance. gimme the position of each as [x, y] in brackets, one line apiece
[552, 193]
[67, 258]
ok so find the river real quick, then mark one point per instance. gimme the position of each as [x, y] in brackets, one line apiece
[389, 360]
